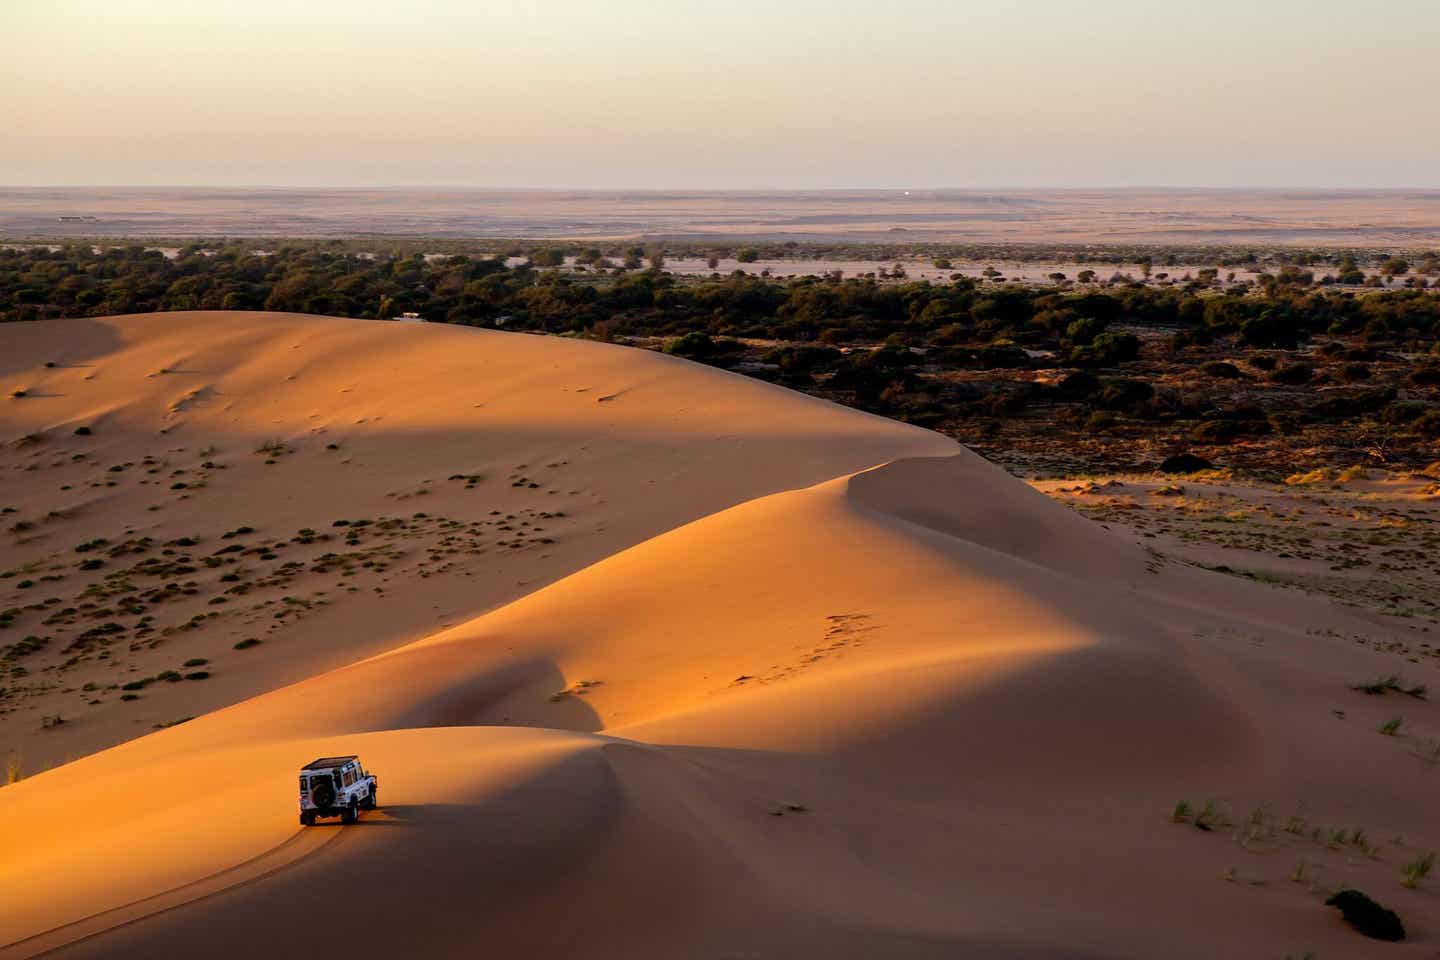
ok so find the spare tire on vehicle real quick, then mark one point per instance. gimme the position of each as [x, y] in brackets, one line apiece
[322, 793]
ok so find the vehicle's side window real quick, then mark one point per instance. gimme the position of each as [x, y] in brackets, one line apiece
[349, 777]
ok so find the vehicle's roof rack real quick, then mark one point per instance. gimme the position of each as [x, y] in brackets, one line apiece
[325, 762]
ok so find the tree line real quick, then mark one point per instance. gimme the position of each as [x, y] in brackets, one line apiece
[998, 321]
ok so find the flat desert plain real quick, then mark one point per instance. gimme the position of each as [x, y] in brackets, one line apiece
[1401, 219]
[652, 660]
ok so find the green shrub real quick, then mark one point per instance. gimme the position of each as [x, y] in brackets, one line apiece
[1354, 405]
[1107, 350]
[1263, 361]
[1185, 463]
[1425, 377]
[1215, 431]
[696, 345]
[693, 344]
[1428, 425]
[1221, 370]
[1293, 374]
[1125, 396]
[1082, 332]
[1002, 355]
[1079, 385]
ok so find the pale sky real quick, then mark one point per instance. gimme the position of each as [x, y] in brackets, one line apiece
[722, 94]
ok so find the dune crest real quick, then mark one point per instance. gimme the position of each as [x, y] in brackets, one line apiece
[373, 481]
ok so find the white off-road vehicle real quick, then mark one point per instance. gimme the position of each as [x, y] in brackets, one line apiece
[336, 787]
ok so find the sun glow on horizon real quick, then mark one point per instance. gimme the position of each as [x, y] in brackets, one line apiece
[643, 93]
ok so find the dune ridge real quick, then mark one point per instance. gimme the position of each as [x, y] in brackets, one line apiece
[905, 707]
[283, 424]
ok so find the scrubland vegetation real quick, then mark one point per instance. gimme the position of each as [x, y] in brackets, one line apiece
[1117, 372]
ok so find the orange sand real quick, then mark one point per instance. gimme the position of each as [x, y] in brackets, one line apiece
[828, 686]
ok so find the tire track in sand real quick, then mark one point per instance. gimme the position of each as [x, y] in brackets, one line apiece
[294, 849]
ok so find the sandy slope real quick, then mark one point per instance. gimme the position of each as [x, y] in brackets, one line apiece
[916, 710]
[597, 447]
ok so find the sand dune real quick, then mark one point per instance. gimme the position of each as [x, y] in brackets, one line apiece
[855, 693]
[489, 437]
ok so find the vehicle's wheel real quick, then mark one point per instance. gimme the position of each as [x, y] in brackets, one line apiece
[307, 819]
[351, 813]
[373, 800]
[322, 795]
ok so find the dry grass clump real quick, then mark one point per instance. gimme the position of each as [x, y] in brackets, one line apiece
[1392, 683]
[1311, 477]
[1327, 475]
[1417, 870]
[578, 689]
[273, 448]
[1209, 817]
[1352, 473]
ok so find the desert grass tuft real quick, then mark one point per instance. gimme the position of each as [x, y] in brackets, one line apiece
[1388, 684]
[1212, 815]
[273, 448]
[1417, 870]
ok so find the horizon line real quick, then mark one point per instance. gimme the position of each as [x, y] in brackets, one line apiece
[1178, 188]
